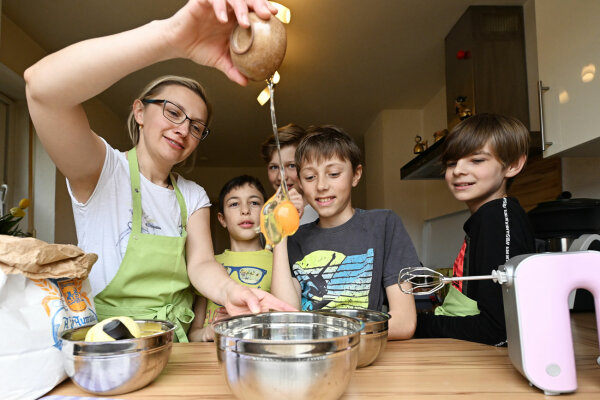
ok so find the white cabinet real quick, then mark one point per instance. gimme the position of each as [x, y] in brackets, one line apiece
[568, 47]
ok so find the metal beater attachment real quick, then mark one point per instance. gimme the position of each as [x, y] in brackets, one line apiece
[427, 281]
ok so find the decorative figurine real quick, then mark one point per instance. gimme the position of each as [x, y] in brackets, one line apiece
[462, 110]
[439, 134]
[419, 146]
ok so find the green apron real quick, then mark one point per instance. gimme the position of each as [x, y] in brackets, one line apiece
[152, 281]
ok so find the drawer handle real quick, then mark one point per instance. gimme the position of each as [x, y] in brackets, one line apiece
[541, 90]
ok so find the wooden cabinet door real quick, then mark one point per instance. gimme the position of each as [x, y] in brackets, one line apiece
[568, 45]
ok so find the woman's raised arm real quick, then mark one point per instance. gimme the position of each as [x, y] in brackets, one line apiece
[58, 84]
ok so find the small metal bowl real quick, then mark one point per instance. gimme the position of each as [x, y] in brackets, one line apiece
[288, 355]
[120, 366]
[373, 338]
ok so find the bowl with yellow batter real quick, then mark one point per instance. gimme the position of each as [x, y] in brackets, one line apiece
[107, 366]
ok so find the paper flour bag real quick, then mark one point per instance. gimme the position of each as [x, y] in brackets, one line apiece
[43, 292]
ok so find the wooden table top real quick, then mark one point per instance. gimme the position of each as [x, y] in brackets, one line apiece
[436, 368]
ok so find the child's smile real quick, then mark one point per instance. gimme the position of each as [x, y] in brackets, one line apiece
[327, 186]
[477, 178]
[325, 201]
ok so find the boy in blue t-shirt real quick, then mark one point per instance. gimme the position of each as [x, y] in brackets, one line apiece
[348, 257]
[240, 202]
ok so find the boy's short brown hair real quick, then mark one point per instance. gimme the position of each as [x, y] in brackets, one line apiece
[289, 135]
[507, 136]
[325, 142]
[237, 182]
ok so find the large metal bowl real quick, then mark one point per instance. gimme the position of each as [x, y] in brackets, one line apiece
[373, 338]
[120, 366]
[288, 355]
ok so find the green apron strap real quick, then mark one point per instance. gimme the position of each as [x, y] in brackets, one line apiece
[182, 206]
[136, 192]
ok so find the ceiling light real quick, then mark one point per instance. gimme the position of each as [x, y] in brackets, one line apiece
[283, 13]
[588, 72]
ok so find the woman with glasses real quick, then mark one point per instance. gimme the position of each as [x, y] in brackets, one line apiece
[149, 226]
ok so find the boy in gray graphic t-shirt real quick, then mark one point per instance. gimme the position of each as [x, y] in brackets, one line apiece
[348, 258]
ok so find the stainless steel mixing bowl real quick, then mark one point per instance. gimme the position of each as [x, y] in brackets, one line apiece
[373, 338]
[288, 355]
[121, 366]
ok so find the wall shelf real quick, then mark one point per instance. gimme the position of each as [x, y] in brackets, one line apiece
[426, 165]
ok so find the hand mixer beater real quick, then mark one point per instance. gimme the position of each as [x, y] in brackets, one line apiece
[427, 281]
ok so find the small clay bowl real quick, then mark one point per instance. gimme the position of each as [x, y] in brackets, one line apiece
[258, 51]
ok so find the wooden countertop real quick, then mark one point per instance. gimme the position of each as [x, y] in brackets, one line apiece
[436, 368]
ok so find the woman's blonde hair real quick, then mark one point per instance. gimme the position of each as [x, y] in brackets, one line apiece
[154, 88]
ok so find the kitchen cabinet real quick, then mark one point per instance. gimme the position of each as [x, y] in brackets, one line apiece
[568, 48]
[485, 64]
[485, 73]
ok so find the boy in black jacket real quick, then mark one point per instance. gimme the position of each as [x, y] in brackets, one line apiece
[482, 156]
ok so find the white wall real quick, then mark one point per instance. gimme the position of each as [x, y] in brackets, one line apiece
[389, 143]
[442, 239]
[44, 193]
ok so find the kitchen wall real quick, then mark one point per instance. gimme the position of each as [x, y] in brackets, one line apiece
[389, 145]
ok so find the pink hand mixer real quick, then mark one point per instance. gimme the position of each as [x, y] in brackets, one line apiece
[540, 343]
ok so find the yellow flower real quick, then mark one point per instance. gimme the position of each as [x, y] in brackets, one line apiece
[17, 212]
[24, 203]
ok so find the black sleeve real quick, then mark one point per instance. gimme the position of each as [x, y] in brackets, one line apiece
[488, 250]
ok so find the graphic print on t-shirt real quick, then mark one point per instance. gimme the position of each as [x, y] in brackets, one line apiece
[329, 279]
[149, 226]
[248, 275]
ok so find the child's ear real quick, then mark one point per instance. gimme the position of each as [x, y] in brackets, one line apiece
[357, 175]
[138, 111]
[221, 219]
[516, 167]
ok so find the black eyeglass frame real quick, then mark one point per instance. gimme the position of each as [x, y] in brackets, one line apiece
[164, 102]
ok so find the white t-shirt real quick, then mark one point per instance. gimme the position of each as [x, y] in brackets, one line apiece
[103, 223]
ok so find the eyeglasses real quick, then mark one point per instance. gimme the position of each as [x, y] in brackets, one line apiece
[175, 114]
[248, 275]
